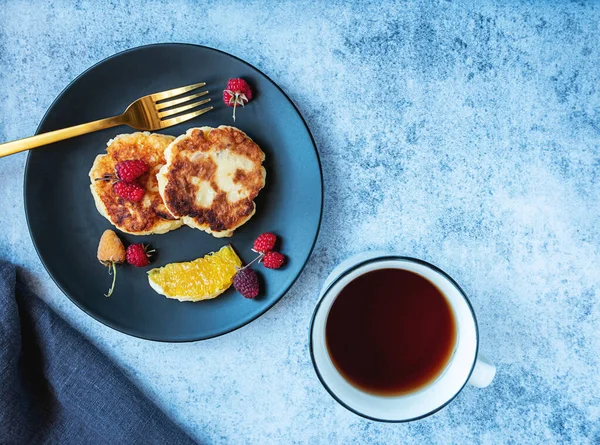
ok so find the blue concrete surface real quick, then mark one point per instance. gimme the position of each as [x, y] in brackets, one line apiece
[468, 136]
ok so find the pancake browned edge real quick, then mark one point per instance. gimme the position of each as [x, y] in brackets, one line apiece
[148, 216]
[211, 178]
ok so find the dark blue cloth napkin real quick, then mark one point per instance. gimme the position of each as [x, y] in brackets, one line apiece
[56, 387]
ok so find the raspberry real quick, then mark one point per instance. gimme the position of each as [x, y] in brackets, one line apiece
[273, 260]
[129, 191]
[240, 87]
[265, 243]
[246, 282]
[236, 93]
[129, 171]
[138, 255]
[110, 248]
[110, 253]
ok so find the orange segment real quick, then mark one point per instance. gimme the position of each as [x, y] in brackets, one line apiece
[201, 279]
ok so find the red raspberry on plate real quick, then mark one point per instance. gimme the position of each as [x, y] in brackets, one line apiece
[129, 191]
[129, 171]
[138, 255]
[265, 243]
[273, 260]
[236, 93]
[246, 282]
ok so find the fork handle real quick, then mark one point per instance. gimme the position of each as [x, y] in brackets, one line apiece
[19, 145]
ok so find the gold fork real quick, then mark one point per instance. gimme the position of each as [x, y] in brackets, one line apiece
[145, 114]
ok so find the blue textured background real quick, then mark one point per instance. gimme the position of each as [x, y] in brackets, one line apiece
[467, 136]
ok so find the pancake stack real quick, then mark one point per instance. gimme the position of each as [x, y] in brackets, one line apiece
[207, 179]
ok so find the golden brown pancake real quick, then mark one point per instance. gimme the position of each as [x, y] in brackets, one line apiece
[211, 178]
[149, 215]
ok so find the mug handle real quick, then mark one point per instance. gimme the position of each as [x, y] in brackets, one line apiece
[484, 372]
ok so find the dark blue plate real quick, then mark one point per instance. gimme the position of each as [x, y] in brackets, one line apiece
[65, 225]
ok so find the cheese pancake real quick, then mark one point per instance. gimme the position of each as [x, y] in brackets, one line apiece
[211, 179]
[148, 216]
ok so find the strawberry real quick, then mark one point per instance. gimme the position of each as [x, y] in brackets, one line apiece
[246, 282]
[138, 255]
[236, 93]
[273, 260]
[129, 191]
[264, 243]
[129, 171]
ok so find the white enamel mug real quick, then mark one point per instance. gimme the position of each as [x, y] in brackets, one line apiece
[465, 365]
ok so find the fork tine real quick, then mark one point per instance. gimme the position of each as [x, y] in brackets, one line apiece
[174, 102]
[185, 117]
[175, 92]
[183, 108]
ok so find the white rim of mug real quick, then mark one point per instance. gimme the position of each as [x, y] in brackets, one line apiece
[353, 269]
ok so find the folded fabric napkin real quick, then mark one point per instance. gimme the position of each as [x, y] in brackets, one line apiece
[56, 387]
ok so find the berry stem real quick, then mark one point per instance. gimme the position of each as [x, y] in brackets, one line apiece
[235, 100]
[106, 177]
[112, 270]
[258, 258]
